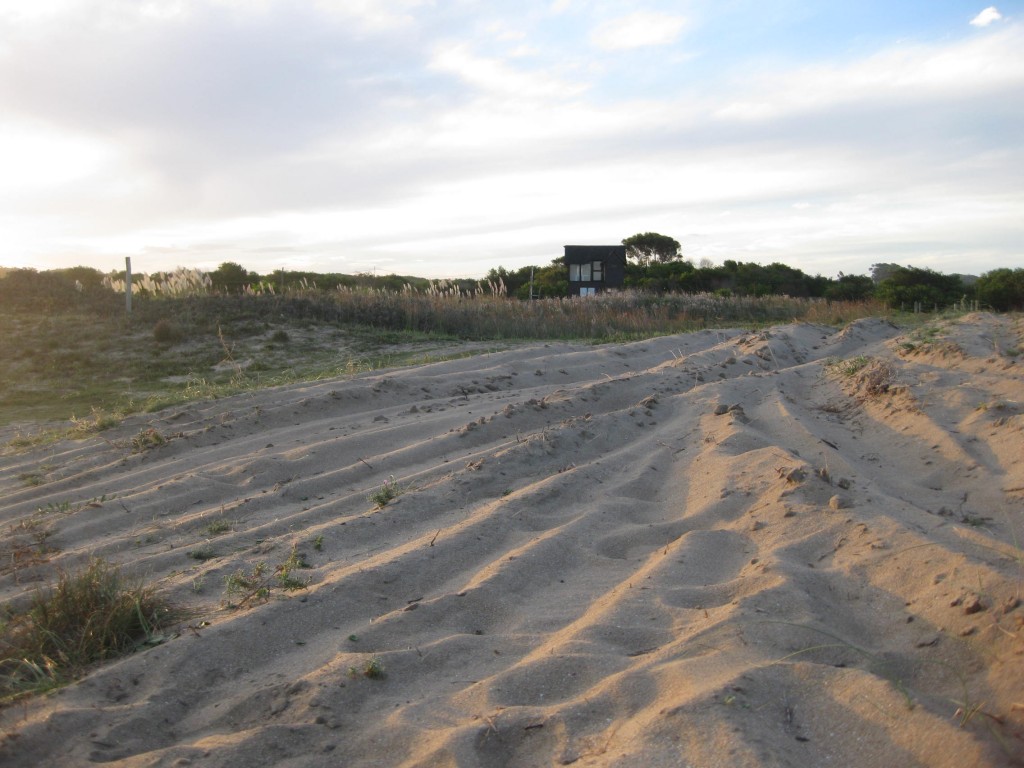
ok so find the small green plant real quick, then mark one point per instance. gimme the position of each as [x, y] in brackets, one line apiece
[203, 553]
[97, 421]
[283, 572]
[147, 439]
[280, 336]
[388, 491]
[318, 543]
[372, 668]
[60, 508]
[31, 478]
[217, 527]
[848, 367]
[247, 587]
[87, 616]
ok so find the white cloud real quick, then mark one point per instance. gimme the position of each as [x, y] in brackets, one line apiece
[902, 74]
[638, 30]
[986, 17]
[495, 76]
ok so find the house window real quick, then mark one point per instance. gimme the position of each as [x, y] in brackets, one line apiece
[585, 273]
[585, 291]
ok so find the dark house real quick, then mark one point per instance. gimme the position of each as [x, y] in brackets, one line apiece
[595, 268]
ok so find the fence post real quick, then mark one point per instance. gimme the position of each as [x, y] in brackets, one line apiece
[128, 284]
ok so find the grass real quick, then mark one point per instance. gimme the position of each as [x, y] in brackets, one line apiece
[88, 357]
[217, 527]
[88, 616]
[203, 553]
[147, 439]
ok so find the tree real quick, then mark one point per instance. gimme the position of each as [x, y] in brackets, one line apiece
[850, 288]
[232, 278]
[883, 271]
[909, 285]
[1002, 289]
[652, 247]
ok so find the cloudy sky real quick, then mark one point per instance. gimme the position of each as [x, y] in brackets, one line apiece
[442, 138]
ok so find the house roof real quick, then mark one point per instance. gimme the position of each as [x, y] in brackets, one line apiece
[592, 251]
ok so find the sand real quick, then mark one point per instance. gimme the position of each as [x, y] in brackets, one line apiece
[795, 547]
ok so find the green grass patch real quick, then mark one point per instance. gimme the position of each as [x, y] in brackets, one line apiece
[88, 616]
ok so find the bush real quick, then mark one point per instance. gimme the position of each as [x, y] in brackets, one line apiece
[166, 332]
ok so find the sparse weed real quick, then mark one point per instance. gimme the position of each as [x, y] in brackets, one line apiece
[318, 543]
[372, 668]
[32, 479]
[847, 367]
[283, 572]
[872, 376]
[98, 420]
[203, 553]
[217, 527]
[147, 439]
[388, 491]
[247, 587]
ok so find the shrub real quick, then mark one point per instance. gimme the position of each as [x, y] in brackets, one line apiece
[166, 332]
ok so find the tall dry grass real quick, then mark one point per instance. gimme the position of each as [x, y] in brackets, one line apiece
[484, 312]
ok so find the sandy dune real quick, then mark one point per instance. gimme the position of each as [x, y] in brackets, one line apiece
[715, 549]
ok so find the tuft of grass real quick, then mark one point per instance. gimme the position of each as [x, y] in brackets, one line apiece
[372, 668]
[147, 439]
[203, 553]
[98, 420]
[849, 367]
[870, 375]
[31, 479]
[217, 527]
[389, 491]
[88, 616]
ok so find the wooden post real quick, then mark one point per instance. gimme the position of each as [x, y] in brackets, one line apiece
[128, 284]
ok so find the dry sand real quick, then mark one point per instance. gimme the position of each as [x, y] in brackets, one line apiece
[710, 549]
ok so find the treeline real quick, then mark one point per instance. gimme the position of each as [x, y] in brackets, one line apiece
[898, 286]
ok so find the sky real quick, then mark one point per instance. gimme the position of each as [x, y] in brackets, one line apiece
[442, 138]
